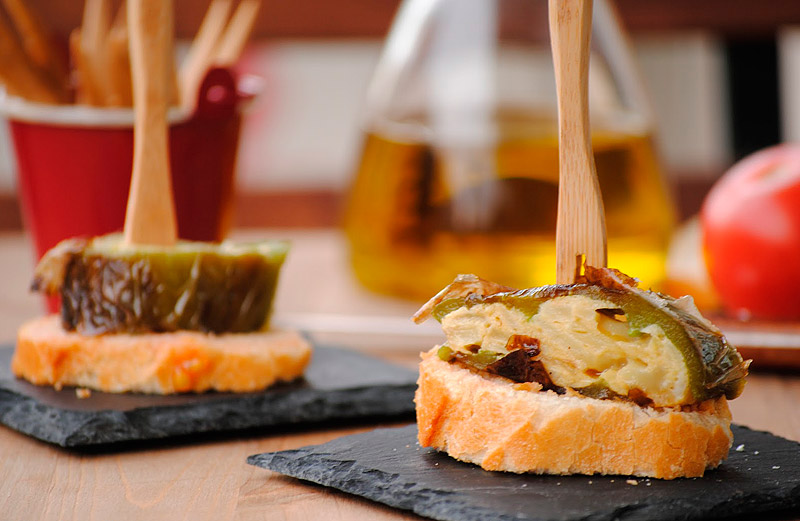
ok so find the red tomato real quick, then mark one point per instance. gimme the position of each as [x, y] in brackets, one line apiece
[751, 235]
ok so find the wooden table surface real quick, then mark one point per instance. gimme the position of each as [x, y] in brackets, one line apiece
[209, 479]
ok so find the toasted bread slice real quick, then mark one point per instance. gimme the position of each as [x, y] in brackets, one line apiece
[501, 425]
[158, 363]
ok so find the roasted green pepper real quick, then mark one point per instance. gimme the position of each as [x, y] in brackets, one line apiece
[480, 359]
[107, 287]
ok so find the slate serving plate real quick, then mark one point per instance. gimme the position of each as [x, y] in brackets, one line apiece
[761, 474]
[338, 384]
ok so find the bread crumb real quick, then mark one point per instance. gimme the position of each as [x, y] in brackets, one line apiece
[528, 386]
[83, 393]
[632, 482]
[740, 448]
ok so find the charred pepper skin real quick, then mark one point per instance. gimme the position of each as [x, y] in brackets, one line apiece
[107, 289]
[715, 367]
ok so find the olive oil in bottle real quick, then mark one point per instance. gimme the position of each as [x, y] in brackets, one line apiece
[418, 214]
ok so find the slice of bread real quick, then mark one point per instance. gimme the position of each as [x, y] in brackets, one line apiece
[157, 363]
[500, 425]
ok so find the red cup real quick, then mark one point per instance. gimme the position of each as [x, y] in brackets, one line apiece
[74, 164]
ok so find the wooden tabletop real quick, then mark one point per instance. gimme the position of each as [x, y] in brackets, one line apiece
[209, 479]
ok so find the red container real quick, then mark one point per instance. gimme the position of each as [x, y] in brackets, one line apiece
[74, 164]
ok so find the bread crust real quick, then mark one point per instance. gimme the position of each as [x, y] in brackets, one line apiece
[157, 363]
[493, 422]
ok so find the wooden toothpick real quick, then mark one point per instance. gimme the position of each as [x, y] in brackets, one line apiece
[150, 216]
[580, 228]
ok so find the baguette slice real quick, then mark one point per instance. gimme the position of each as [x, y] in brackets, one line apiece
[500, 425]
[158, 363]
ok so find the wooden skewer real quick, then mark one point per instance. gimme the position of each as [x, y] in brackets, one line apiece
[198, 60]
[238, 31]
[95, 25]
[37, 43]
[94, 34]
[121, 16]
[31, 32]
[87, 91]
[150, 216]
[580, 228]
[119, 68]
[17, 73]
[173, 90]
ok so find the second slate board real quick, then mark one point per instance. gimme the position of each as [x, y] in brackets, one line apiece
[761, 474]
[339, 385]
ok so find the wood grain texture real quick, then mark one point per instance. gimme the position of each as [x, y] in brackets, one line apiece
[150, 216]
[205, 480]
[580, 228]
[208, 479]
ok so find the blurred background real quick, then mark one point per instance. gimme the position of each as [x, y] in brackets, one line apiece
[723, 77]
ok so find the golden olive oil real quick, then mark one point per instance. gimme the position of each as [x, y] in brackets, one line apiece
[419, 214]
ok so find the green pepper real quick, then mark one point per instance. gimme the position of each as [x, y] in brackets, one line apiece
[107, 287]
[599, 389]
[483, 358]
[445, 353]
[480, 359]
[714, 366]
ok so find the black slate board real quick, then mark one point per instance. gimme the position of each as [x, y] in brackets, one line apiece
[338, 384]
[388, 466]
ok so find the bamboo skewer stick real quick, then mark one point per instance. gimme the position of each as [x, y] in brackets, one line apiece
[173, 89]
[37, 44]
[580, 228]
[99, 55]
[32, 35]
[17, 73]
[121, 16]
[87, 91]
[94, 34]
[235, 37]
[96, 23]
[198, 60]
[119, 68]
[150, 216]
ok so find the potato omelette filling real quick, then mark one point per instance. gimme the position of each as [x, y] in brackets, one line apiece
[580, 347]
[602, 337]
